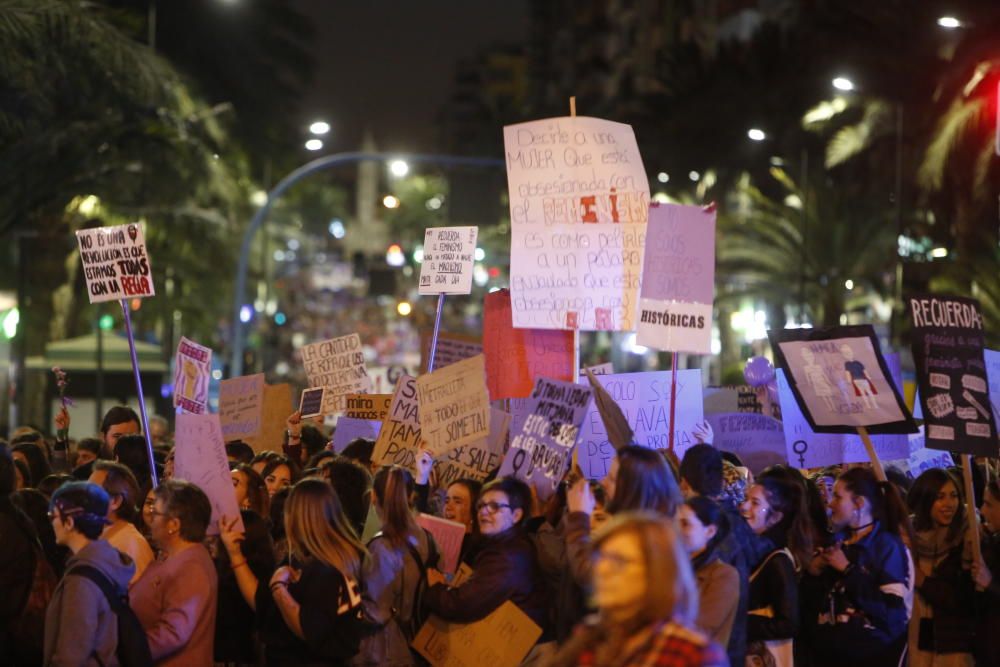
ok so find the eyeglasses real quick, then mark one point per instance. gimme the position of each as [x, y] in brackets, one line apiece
[491, 507]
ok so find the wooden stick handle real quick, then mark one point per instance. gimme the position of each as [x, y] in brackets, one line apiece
[870, 448]
[970, 508]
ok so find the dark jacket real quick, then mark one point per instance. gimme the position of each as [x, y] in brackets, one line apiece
[773, 584]
[737, 549]
[18, 550]
[235, 621]
[951, 594]
[505, 569]
[862, 617]
[988, 605]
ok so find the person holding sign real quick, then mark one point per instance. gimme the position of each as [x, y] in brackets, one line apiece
[866, 575]
[987, 577]
[646, 598]
[506, 568]
[942, 626]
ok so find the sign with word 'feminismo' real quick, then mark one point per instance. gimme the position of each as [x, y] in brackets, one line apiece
[339, 365]
[579, 201]
[678, 280]
[449, 253]
[115, 263]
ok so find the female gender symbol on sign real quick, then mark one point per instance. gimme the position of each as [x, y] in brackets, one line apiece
[800, 447]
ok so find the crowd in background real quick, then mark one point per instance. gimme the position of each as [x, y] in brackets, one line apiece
[663, 562]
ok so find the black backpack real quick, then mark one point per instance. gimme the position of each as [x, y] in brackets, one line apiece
[133, 647]
[419, 615]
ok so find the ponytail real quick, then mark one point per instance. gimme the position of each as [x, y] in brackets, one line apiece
[887, 505]
[394, 494]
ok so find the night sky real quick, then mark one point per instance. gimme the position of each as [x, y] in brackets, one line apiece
[390, 65]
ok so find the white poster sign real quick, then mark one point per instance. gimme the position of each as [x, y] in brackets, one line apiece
[449, 253]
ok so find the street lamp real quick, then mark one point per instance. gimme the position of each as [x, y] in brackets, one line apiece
[949, 22]
[319, 127]
[314, 145]
[399, 168]
[756, 134]
[843, 83]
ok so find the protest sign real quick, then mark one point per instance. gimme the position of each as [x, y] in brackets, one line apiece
[678, 280]
[373, 407]
[450, 348]
[339, 365]
[276, 408]
[599, 369]
[759, 441]
[947, 343]
[311, 403]
[541, 449]
[192, 375]
[502, 638]
[921, 459]
[454, 405]
[399, 438]
[240, 403]
[720, 399]
[200, 458]
[515, 358]
[115, 264]
[448, 535]
[808, 449]
[449, 253]
[644, 399]
[579, 201]
[840, 380]
[477, 460]
[349, 429]
[992, 359]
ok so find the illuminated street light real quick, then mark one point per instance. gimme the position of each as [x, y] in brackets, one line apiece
[843, 83]
[939, 253]
[756, 135]
[319, 127]
[663, 177]
[694, 176]
[399, 168]
[394, 255]
[949, 22]
[404, 308]
[390, 201]
[314, 145]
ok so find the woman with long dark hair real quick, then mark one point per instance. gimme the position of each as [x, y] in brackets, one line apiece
[986, 575]
[942, 627]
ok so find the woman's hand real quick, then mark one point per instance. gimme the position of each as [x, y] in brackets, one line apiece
[981, 575]
[703, 433]
[284, 575]
[424, 464]
[62, 419]
[230, 537]
[579, 498]
[294, 424]
[835, 558]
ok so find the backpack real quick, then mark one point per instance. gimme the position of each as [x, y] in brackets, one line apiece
[133, 647]
[419, 615]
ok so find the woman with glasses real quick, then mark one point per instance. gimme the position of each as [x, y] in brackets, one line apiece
[646, 599]
[80, 626]
[176, 597]
[506, 567]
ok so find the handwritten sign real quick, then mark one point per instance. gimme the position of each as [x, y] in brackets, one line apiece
[992, 359]
[449, 253]
[400, 439]
[515, 358]
[192, 369]
[645, 401]
[454, 405]
[277, 406]
[840, 379]
[921, 459]
[115, 264]
[759, 441]
[503, 638]
[579, 201]
[477, 460]
[678, 280]
[599, 369]
[311, 403]
[541, 448]
[240, 403]
[448, 535]
[947, 345]
[200, 458]
[339, 365]
[808, 449]
[450, 348]
[374, 407]
[349, 429]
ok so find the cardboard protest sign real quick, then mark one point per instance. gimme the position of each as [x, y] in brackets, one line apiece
[502, 638]
[644, 398]
[515, 358]
[200, 458]
[115, 264]
[579, 201]
[840, 380]
[240, 403]
[448, 535]
[948, 354]
[477, 460]
[992, 359]
[451, 347]
[541, 449]
[808, 449]
[921, 459]
[349, 429]
[400, 439]
[276, 408]
[759, 441]
[678, 280]
[192, 375]
[449, 253]
[720, 399]
[599, 369]
[454, 405]
[339, 365]
[373, 407]
[311, 403]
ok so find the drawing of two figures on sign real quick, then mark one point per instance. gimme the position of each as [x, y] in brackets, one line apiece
[850, 383]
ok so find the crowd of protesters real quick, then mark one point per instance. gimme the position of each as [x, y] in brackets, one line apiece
[664, 562]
